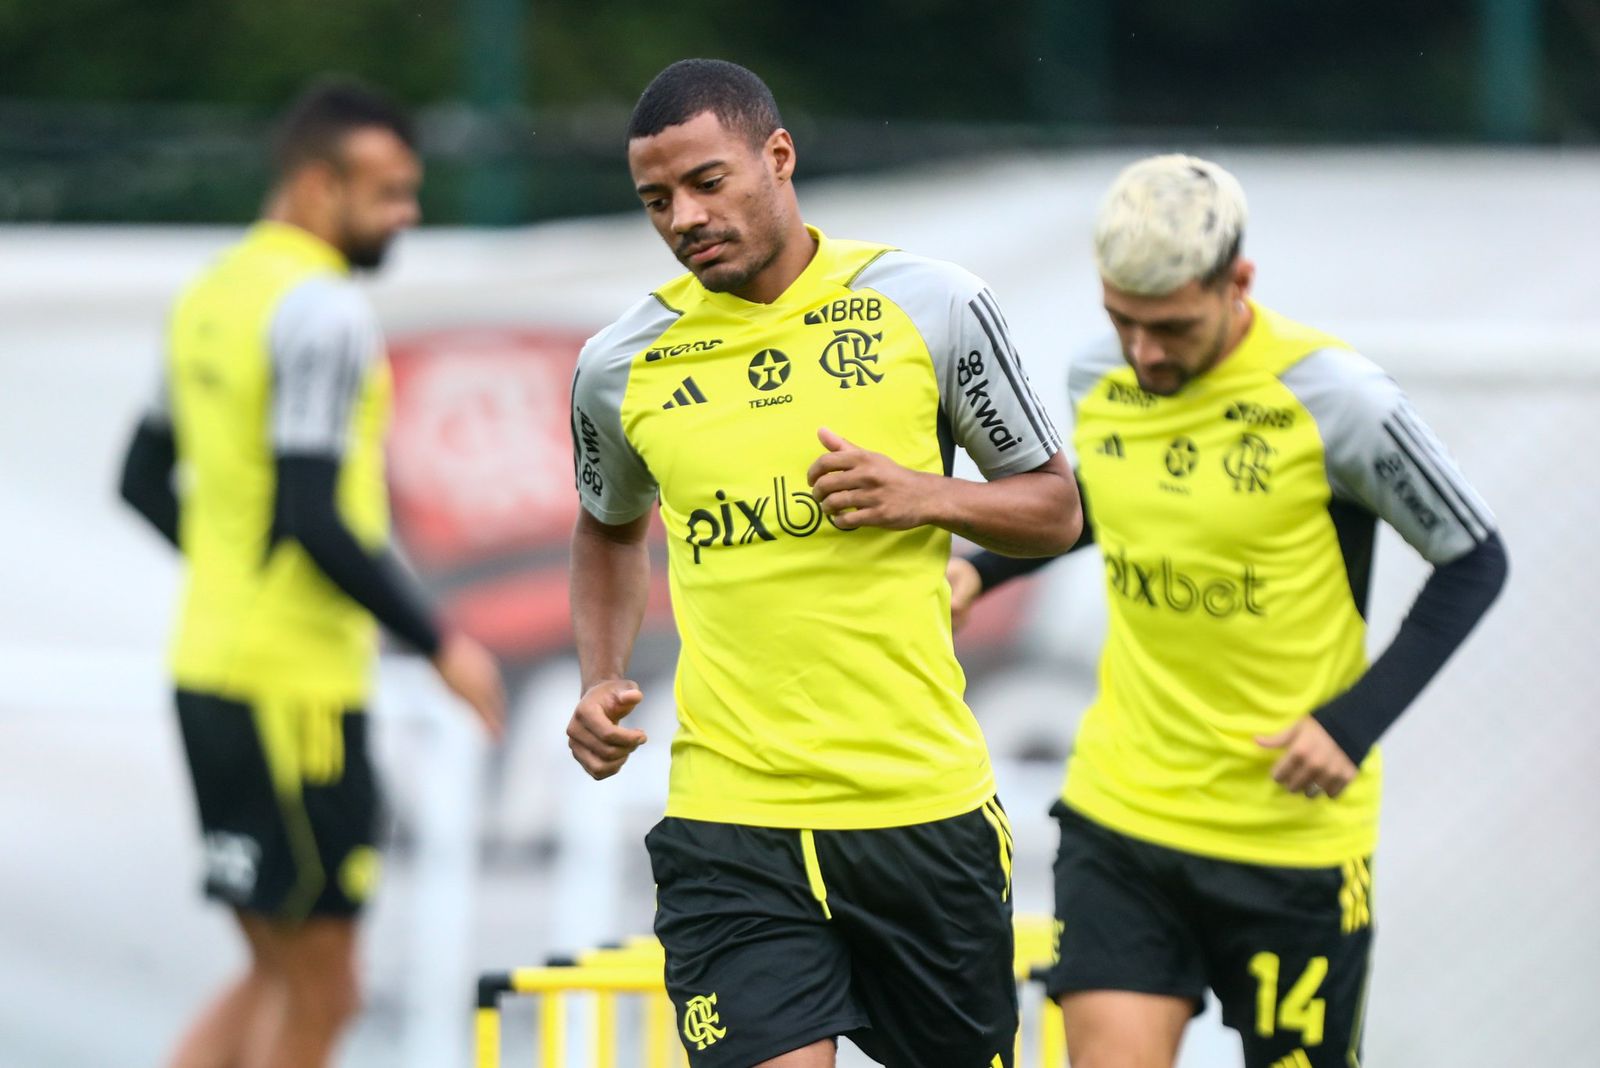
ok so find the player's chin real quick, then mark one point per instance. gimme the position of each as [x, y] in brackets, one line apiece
[720, 276]
[1161, 383]
[368, 256]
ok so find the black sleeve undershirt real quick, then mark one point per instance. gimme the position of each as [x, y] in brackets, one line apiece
[147, 478]
[306, 511]
[1449, 605]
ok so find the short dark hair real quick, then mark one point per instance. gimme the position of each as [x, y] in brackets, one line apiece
[316, 124]
[738, 98]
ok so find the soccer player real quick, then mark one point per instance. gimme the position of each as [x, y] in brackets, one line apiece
[272, 406]
[833, 859]
[1221, 801]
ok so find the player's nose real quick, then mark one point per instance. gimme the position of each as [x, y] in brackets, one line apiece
[1144, 350]
[687, 213]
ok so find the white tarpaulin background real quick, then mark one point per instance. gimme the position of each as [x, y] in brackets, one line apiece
[1469, 275]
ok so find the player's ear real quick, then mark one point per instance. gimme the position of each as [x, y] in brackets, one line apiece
[1244, 275]
[779, 152]
[316, 184]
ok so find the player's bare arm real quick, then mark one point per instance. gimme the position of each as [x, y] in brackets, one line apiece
[610, 584]
[1034, 513]
[965, 589]
[469, 671]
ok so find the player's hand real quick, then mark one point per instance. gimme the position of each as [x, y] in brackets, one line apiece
[1312, 762]
[859, 488]
[471, 674]
[596, 737]
[965, 588]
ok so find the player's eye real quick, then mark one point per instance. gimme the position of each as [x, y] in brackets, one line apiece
[711, 183]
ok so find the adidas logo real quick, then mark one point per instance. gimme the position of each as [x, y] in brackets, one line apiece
[1112, 446]
[686, 394]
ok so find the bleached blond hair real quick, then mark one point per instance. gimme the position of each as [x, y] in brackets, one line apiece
[1166, 221]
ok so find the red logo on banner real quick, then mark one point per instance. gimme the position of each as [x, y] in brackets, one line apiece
[480, 452]
[480, 476]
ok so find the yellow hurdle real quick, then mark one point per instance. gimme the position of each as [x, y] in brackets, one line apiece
[633, 970]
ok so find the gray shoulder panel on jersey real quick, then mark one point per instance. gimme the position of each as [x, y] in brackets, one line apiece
[1090, 364]
[323, 337]
[985, 394]
[1382, 456]
[613, 482]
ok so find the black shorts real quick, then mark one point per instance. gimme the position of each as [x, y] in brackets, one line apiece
[288, 804]
[899, 938]
[1285, 949]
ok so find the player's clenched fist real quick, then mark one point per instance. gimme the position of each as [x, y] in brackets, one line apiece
[596, 737]
[860, 488]
[1312, 762]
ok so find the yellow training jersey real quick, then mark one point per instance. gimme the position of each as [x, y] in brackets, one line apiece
[272, 351]
[817, 686]
[1236, 521]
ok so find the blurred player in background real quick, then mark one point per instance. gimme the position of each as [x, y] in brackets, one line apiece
[1221, 801]
[271, 411]
[833, 859]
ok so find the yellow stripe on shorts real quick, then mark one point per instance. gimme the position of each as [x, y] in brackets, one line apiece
[819, 889]
[1002, 832]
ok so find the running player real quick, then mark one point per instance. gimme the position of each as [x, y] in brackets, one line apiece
[1221, 801]
[833, 859]
[272, 408]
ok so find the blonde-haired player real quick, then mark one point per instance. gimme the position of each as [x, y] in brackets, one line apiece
[1220, 807]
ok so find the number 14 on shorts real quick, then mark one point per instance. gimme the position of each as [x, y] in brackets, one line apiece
[1298, 1010]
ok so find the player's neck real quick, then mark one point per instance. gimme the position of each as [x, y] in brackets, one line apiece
[1237, 329]
[775, 279]
[282, 208]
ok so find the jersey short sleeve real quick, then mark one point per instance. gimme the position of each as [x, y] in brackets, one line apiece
[984, 393]
[1381, 455]
[322, 337]
[614, 485]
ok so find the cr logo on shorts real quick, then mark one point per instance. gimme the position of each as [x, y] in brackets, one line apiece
[700, 1021]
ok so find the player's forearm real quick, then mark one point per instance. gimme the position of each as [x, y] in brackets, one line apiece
[610, 586]
[1033, 514]
[1450, 604]
[995, 569]
[306, 512]
[147, 478]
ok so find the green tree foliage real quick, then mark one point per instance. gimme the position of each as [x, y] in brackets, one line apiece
[155, 109]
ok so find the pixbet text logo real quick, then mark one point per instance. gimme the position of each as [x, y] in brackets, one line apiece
[1162, 584]
[734, 521]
